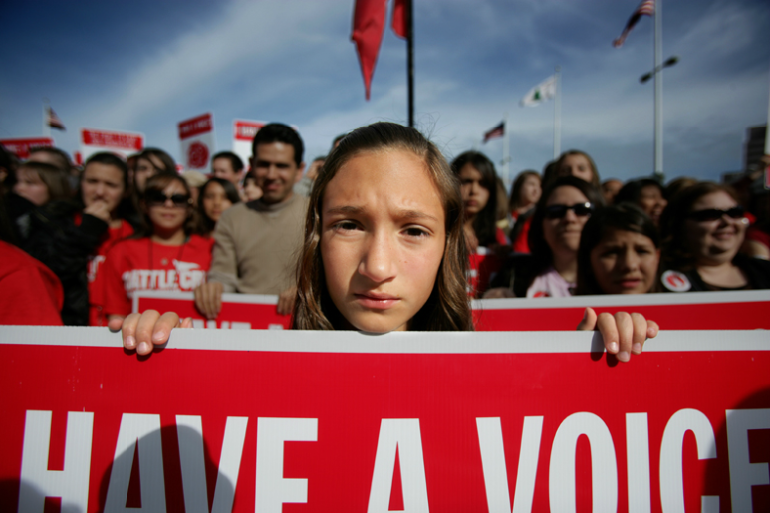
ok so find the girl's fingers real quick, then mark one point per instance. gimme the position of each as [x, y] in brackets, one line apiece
[640, 332]
[144, 331]
[128, 330]
[161, 331]
[608, 327]
[589, 321]
[652, 329]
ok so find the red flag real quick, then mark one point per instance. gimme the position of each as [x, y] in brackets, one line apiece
[368, 27]
[398, 18]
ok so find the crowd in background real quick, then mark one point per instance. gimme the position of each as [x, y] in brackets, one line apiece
[77, 242]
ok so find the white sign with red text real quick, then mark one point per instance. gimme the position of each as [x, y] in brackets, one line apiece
[95, 140]
[196, 137]
[243, 134]
[21, 147]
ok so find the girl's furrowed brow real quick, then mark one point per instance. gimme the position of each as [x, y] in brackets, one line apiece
[402, 214]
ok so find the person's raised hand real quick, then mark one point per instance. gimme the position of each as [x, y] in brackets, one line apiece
[146, 330]
[286, 301]
[98, 209]
[623, 333]
[208, 298]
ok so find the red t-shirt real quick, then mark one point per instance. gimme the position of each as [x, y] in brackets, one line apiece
[31, 295]
[521, 244]
[140, 264]
[96, 315]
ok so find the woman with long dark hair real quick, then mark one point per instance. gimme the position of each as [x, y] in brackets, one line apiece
[164, 255]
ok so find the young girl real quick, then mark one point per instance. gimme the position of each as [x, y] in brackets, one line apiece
[216, 196]
[251, 191]
[618, 252]
[525, 194]
[385, 250]
[167, 256]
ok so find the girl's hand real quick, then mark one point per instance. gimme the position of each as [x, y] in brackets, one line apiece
[623, 333]
[146, 330]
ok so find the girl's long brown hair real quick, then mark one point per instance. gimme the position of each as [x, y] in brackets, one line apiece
[448, 307]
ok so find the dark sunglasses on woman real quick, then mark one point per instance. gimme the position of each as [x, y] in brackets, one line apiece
[712, 214]
[159, 198]
[559, 211]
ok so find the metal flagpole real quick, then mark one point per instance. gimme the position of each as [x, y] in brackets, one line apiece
[46, 128]
[410, 61]
[506, 153]
[557, 116]
[658, 131]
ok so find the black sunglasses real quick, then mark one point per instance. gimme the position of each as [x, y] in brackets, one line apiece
[159, 198]
[559, 211]
[712, 214]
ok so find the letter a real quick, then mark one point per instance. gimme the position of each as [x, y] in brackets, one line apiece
[144, 431]
[402, 435]
[71, 484]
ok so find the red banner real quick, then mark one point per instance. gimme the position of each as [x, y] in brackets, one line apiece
[111, 139]
[246, 130]
[195, 126]
[314, 421]
[22, 147]
[746, 310]
[239, 311]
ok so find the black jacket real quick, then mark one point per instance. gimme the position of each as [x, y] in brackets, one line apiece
[65, 247]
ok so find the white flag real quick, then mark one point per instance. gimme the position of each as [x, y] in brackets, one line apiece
[540, 93]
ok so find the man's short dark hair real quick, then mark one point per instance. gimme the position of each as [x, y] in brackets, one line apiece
[110, 159]
[278, 132]
[235, 160]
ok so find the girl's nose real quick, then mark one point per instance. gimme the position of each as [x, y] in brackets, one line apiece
[378, 261]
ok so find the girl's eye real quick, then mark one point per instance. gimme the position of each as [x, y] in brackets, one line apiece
[415, 231]
[345, 226]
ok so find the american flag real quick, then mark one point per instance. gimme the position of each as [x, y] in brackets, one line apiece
[498, 131]
[646, 8]
[53, 120]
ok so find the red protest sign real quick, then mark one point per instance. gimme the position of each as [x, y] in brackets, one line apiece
[22, 147]
[314, 421]
[693, 310]
[239, 311]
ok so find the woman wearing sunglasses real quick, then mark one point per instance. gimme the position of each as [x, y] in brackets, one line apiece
[554, 238]
[702, 230]
[166, 255]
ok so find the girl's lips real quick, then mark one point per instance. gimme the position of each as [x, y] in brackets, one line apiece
[629, 283]
[376, 301]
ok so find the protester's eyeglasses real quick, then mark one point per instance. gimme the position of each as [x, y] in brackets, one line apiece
[712, 214]
[159, 198]
[559, 211]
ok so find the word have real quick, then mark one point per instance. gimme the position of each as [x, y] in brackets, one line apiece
[141, 433]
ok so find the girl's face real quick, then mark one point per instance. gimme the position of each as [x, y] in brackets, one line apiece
[474, 194]
[718, 236]
[168, 209]
[578, 166]
[625, 262]
[252, 190]
[102, 182]
[564, 219]
[29, 186]
[382, 239]
[652, 202]
[145, 168]
[215, 201]
[530, 190]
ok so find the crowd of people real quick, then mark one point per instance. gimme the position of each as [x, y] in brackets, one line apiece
[77, 243]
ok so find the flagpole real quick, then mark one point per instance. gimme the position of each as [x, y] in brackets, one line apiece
[658, 131]
[506, 152]
[46, 128]
[557, 116]
[410, 61]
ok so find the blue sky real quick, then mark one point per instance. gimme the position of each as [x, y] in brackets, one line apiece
[142, 66]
